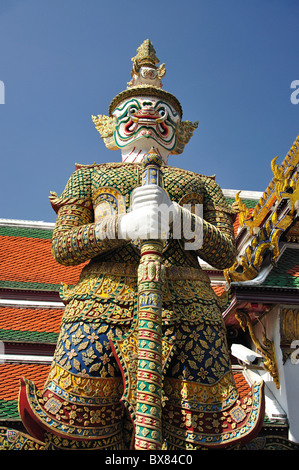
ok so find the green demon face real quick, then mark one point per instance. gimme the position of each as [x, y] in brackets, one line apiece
[143, 123]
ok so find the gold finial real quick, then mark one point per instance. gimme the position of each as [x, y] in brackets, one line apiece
[146, 78]
[242, 209]
[146, 55]
[145, 70]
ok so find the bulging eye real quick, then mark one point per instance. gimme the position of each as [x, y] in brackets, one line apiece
[163, 114]
[132, 110]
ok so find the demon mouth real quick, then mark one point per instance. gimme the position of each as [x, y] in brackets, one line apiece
[147, 118]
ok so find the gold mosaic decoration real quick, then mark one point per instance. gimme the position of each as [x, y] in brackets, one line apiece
[267, 223]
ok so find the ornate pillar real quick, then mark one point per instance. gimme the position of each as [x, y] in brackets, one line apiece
[148, 428]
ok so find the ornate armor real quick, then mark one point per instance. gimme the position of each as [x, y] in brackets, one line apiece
[89, 399]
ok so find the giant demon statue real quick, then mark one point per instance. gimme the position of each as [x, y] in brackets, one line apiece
[142, 359]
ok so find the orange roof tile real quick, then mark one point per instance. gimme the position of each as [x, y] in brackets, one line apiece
[10, 375]
[236, 224]
[218, 289]
[30, 260]
[294, 271]
[31, 319]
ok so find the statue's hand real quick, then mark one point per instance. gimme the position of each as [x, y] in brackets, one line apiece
[151, 215]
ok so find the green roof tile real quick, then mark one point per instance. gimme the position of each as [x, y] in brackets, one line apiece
[30, 286]
[250, 203]
[26, 232]
[28, 336]
[280, 275]
[9, 410]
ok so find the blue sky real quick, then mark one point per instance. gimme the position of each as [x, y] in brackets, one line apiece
[229, 62]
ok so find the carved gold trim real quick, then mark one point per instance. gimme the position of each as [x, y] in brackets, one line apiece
[243, 210]
[267, 349]
[184, 132]
[284, 184]
[266, 224]
[105, 125]
[289, 330]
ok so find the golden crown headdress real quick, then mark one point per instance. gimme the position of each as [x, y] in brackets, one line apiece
[145, 81]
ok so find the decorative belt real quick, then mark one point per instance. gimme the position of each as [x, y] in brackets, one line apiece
[130, 270]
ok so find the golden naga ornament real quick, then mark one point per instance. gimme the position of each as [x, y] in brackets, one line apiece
[267, 223]
[266, 348]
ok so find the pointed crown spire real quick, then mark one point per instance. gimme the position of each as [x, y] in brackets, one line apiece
[146, 78]
[146, 55]
[145, 70]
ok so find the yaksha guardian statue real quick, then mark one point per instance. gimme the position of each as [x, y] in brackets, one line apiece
[142, 360]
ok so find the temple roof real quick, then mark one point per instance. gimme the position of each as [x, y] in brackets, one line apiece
[10, 382]
[30, 325]
[264, 229]
[286, 271]
[27, 262]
